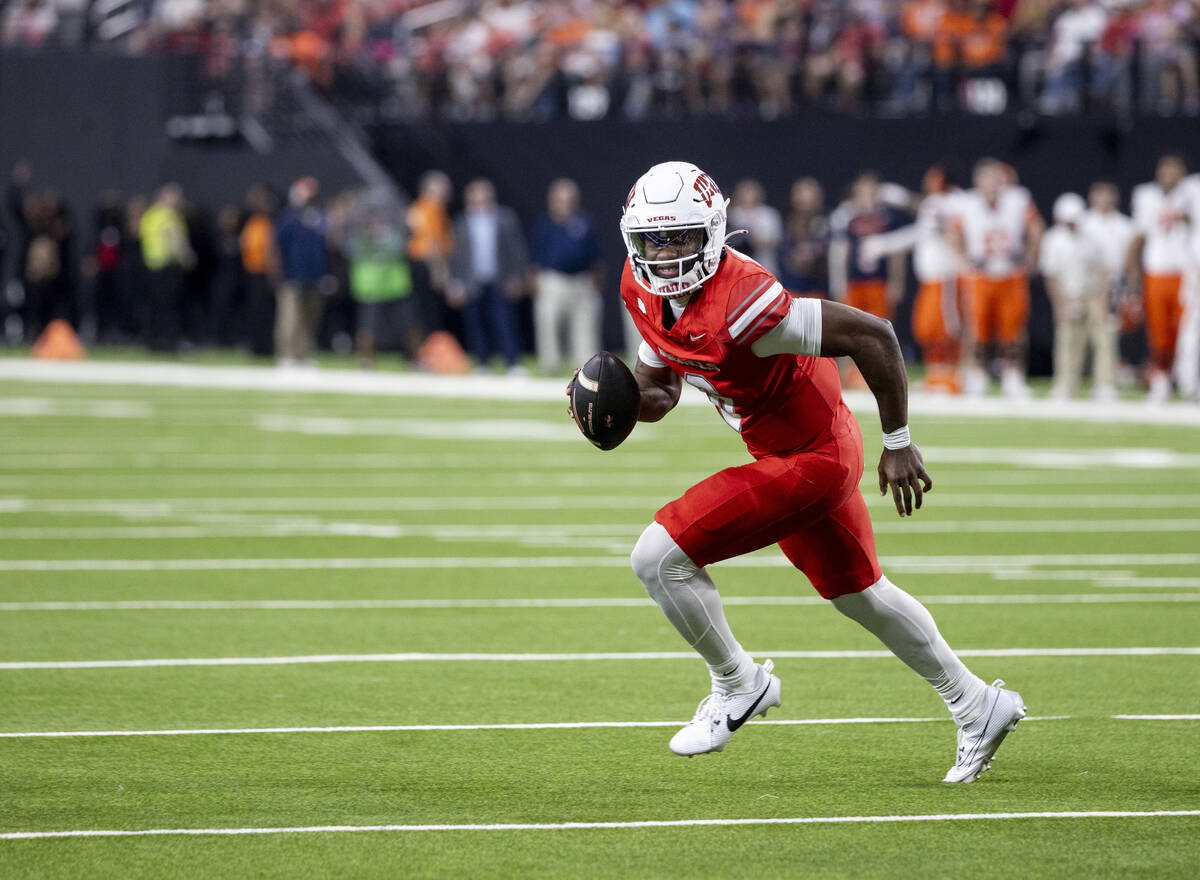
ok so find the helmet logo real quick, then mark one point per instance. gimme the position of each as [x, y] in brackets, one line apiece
[632, 193]
[705, 189]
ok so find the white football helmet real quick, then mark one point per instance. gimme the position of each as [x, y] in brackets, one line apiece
[674, 203]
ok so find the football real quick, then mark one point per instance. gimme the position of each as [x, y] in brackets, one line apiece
[605, 400]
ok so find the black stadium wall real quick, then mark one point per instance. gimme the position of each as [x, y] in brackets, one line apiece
[93, 121]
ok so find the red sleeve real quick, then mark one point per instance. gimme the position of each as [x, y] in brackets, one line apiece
[756, 304]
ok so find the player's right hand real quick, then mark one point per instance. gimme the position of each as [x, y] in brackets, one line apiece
[903, 471]
[570, 395]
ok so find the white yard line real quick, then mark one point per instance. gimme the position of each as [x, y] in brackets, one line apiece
[169, 476]
[165, 506]
[591, 826]
[545, 725]
[253, 462]
[427, 728]
[27, 407]
[593, 602]
[1148, 582]
[1017, 564]
[536, 532]
[510, 388]
[160, 506]
[431, 657]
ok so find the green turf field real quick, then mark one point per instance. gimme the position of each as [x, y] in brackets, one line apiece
[209, 584]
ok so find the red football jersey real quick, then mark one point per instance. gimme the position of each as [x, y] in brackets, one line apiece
[781, 404]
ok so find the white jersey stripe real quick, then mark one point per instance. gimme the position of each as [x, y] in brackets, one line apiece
[736, 312]
[783, 300]
[756, 308]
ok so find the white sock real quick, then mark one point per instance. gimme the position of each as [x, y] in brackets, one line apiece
[907, 629]
[689, 599]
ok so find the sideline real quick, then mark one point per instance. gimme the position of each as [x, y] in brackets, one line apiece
[180, 375]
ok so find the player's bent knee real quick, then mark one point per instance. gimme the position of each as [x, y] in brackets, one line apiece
[658, 562]
[649, 554]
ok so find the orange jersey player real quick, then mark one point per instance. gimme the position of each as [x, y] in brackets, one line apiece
[999, 233]
[717, 320]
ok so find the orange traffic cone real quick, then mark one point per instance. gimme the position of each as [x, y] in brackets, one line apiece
[58, 342]
[441, 353]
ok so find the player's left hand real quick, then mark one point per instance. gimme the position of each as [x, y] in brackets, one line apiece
[904, 471]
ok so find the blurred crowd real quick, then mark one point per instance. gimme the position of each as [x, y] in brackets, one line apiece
[455, 282]
[637, 59]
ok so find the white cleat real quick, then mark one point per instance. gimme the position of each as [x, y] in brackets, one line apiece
[978, 741]
[719, 716]
[1013, 384]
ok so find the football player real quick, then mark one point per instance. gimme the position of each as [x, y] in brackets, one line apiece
[714, 318]
[998, 234]
[1158, 260]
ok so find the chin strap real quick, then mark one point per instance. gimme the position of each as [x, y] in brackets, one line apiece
[729, 235]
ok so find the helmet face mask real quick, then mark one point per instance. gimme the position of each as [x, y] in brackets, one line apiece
[674, 229]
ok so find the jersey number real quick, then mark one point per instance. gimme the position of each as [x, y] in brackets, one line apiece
[724, 405]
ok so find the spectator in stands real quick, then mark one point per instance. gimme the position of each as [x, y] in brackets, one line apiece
[487, 275]
[304, 266]
[1077, 282]
[167, 256]
[260, 267]
[30, 22]
[1112, 60]
[430, 243]
[567, 305]
[803, 253]
[1077, 30]
[1168, 69]
[919, 22]
[970, 42]
[748, 210]
[380, 282]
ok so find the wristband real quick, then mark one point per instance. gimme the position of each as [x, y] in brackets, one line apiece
[897, 439]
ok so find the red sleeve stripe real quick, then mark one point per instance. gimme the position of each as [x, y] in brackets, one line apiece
[773, 313]
[751, 313]
[735, 313]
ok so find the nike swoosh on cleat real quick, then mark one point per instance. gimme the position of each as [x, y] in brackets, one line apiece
[735, 723]
[696, 337]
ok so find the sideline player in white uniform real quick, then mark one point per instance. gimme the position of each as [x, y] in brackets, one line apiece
[1000, 232]
[1187, 346]
[1158, 258]
[937, 320]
